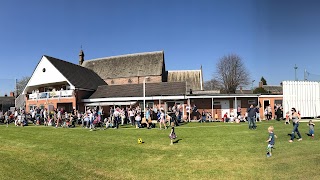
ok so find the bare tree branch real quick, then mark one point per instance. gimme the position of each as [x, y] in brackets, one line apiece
[212, 84]
[231, 73]
[21, 84]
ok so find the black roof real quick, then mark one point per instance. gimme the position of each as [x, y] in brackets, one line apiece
[136, 90]
[7, 99]
[77, 75]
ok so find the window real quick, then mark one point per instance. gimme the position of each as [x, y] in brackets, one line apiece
[48, 89]
[216, 103]
[252, 101]
[278, 102]
[150, 104]
[32, 107]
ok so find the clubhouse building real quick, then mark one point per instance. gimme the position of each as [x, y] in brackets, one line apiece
[126, 80]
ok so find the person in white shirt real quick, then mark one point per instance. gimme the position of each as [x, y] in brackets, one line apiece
[123, 116]
[138, 120]
[58, 118]
[163, 120]
[131, 116]
[231, 118]
[116, 115]
[45, 117]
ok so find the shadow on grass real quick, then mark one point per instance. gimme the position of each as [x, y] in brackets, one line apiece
[308, 134]
[177, 141]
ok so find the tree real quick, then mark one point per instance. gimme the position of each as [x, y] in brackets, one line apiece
[212, 84]
[263, 80]
[231, 73]
[21, 84]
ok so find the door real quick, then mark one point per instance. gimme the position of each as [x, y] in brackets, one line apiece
[266, 103]
[225, 107]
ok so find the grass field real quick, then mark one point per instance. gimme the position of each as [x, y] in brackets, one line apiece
[204, 151]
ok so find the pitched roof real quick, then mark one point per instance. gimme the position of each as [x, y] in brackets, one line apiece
[7, 99]
[192, 77]
[77, 75]
[273, 89]
[130, 65]
[244, 91]
[136, 90]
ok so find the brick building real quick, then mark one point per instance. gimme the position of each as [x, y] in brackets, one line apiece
[133, 79]
[56, 83]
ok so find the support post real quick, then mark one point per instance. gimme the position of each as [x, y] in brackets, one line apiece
[212, 109]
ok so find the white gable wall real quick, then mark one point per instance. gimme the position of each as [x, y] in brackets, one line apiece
[51, 75]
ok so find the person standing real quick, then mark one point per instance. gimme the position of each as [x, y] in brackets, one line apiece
[131, 116]
[116, 116]
[270, 141]
[162, 120]
[195, 112]
[295, 123]
[148, 114]
[172, 134]
[138, 121]
[238, 111]
[269, 115]
[188, 112]
[311, 129]
[251, 117]
[203, 116]
[258, 114]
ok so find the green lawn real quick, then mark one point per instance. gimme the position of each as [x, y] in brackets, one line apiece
[204, 151]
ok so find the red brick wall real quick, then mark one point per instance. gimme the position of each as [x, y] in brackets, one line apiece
[53, 101]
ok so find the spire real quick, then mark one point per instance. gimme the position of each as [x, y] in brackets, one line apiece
[81, 56]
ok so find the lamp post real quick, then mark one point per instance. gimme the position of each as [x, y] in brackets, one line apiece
[252, 85]
[144, 95]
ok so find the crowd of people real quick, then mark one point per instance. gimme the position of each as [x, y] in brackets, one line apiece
[278, 112]
[135, 116]
[93, 118]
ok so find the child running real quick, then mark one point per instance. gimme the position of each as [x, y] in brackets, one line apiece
[172, 134]
[311, 129]
[270, 141]
[287, 118]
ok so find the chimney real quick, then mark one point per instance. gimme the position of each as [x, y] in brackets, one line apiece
[241, 89]
[260, 84]
[11, 94]
[81, 57]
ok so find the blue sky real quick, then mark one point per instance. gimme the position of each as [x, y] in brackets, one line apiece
[271, 36]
